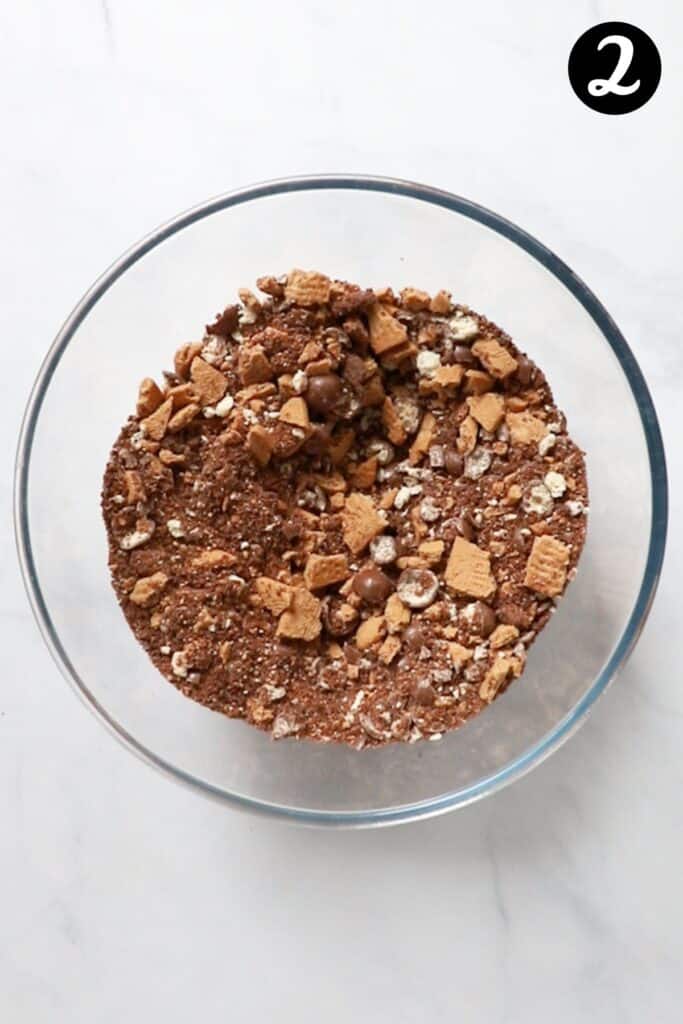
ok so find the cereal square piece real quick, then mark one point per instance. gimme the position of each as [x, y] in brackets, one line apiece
[423, 439]
[495, 358]
[154, 426]
[370, 632]
[274, 595]
[301, 621]
[295, 412]
[307, 288]
[459, 655]
[502, 636]
[469, 570]
[150, 397]
[209, 382]
[525, 428]
[392, 422]
[546, 568]
[361, 522]
[488, 410]
[389, 649]
[324, 570]
[254, 366]
[260, 444]
[148, 588]
[495, 677]
[386, 332]
[396, 614]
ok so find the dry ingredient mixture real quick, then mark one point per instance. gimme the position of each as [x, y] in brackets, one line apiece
[346, 514]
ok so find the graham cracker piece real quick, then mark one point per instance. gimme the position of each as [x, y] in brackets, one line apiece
[495, 358]
[477, 382]
[365, 473]
[331, 483]
[423, 439]
[260, 444]
[274, 595]
[180, 419]
[495, 677]
[209, 382]
[459, 655]
[392, 422]
[389, 650]
[307, 288]
[467, 435]
[301, 621]
[370, 632]
[213, 558]
[502, 636]
[361, 521]
[154, 426]
[431, 551]
[414, 299]
[182, 395]
[441, 303]
[150, 397]
[324, 570]
[488, 410]
[255, 392]
[386, 332]
[135, 488]
[182, 360]
[546, 568]
[469, 570]
[148, 588]
[396, 614]
[254, 366]
[295, 412]
[525, 428]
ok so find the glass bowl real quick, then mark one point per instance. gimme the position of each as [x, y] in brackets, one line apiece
[373, 231]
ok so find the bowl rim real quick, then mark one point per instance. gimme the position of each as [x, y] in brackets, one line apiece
[658, 477]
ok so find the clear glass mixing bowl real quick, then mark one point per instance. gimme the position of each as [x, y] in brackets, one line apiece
[375, 232]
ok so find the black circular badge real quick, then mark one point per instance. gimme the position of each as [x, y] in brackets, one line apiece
[614, 67]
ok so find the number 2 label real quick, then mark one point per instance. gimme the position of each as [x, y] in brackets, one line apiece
[602, 86]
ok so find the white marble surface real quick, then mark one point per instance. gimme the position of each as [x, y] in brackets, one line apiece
[125, 898]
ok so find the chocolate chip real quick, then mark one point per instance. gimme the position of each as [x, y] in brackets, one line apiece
[463, 355]
[453, 462]
[355, 370]
[372, 585]
[482, 619]
[323, 393]
[525, 370]
[319, 439]
[225, 323]
[339, 618]
[515, 615]
[424, 692]
[413, 636]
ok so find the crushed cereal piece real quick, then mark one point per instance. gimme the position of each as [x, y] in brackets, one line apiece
[495, 358]
[148, 589]
[469, 570]
[361, 522]
[301, 621]
[546, 569]
[324, 570]
[307, 288]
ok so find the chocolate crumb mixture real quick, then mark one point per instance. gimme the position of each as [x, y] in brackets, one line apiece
[346, 514]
